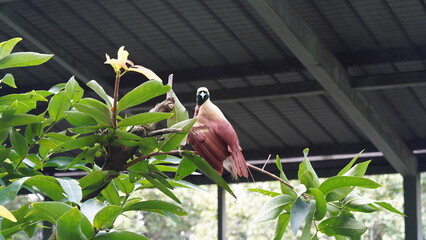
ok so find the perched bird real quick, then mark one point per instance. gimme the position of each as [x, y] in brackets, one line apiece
[214, 138]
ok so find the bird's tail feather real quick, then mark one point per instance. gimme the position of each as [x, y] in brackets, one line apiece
[237, 165]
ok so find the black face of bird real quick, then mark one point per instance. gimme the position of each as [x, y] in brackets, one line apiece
[202, 95]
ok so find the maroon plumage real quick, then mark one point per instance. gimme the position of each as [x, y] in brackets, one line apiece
[214, 138]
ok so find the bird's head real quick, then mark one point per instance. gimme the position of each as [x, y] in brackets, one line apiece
[202, 95]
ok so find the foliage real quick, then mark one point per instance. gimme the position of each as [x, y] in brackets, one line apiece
[123, 155]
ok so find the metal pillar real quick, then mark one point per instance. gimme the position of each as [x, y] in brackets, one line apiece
[221, 214]
[412, 208]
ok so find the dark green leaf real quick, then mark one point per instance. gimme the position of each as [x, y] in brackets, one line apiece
[274, 207]
[23, 59]
[106, 217]
[77, 143]
[142, 93]
[264, 192]
[337, 182]
[281, 226]
[48, 211]
[123, 183]
[19, 119]
[173, 140]
[186, 167]
[208, 170]
[321, 204]
[155, 205]
[6, 47]
[110, 193]
[160, 187]
[4, 153]
[8, 193]
[306, 173]
[19, 143]
[306, 232]
[69, 226]
[120, 236]
[144, 118]
[9, 80]
[342, 225]
[298, 213]
[95, 86]
[96, 110]
[96, 180]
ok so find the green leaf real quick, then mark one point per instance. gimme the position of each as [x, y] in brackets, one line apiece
[47, 211]
[4, 153]
[24, 59]
[71, 188]
[156, 205]
[274, 207]
[96, 110]
[19, 143]
[350, 164]
[110, 193]
[264, 192]
[9, 80]
[96, 180]
[120, 236]
[337, 182]
[77, 143]
[19, 119]
[95, 86]
[106, 217]
[160, 187]
[6, 47]
[284, 188]
[306, 173]
[141, 94]
[389, 207]
[73, 90]
[8, 193]
[321, 204]
[306, 232]
[47, 185]
[69, 226]
[179, 112]
[144, 118]
[298, 213]
[208, 170]
[186, 167]
[79, 119]
[172, 140]
[58, 105]
[123, 183]
[9, 228]
[281, 226]
[342, 225]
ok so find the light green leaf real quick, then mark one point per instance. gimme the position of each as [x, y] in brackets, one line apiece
[24, 59]
[186, 167]
[264, 192]
[47, 185]
[58, 105]
[9, 228]
[342, 225]
[19, 143]
[73, 90]
[144, 118]
[142, 93]
[7, 214]
[68, 226]
[106, 217]
[284, 188]
[96, 109]
[179, 112]
[120, 236]
[172, 140]
[321, 204]
[71, 188]
[95, 86]
[6, 47]
[274, 207]
[156, 205]
[337, 182]
[350, 164]
[281, 226]
[9, 80]
[208, 171]
[19, 119]
[389, 207]
[110, 193]
[47, 211]
[8, 193]
[306, 173]
[123, 183]
[160, 187]
[298, 213]
[77, 143]
[79, 119]
[306, 232]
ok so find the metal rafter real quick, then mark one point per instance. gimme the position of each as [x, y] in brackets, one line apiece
[291, 28]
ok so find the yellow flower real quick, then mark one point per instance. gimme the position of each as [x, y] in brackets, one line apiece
[120, 62]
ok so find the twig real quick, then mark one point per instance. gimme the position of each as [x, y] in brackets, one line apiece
[164, 131]
[270, 174]
[141, 158]
[114, 107]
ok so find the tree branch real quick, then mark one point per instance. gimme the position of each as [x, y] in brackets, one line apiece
[164, 131]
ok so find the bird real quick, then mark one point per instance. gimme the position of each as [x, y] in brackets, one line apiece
[214, 138]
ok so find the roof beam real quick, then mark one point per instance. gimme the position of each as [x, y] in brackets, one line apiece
[291, 28]
[30, 32]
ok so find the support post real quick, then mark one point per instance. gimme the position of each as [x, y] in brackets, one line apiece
[221, 214]
[412, 207]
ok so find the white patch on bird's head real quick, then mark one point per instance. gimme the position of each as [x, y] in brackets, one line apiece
[202, 95]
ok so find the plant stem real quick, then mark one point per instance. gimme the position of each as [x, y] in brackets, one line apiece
[114, 107]
[270, 174]
[141, 158]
